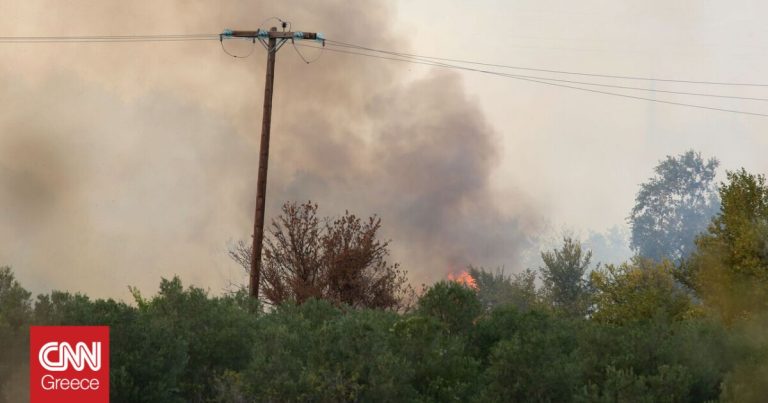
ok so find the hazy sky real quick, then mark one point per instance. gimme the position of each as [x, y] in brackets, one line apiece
[122, 163]
[582, 155]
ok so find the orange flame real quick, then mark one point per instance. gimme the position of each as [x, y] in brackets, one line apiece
[463, 278]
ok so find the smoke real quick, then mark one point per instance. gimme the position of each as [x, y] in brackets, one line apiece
[121, 163]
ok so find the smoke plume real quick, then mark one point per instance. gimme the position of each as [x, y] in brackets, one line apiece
[121, 163]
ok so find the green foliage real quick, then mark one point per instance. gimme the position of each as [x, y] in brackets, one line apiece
[741, 225]
[15, 306]
[531, 359]
[216, 332]
[148, 358]
[749, 342]
[641, 348]
[668, 384]
[638, 291]
[563, 276]
[184, 345]
[451, 303]
[169, 347]
[443, 368]
[314, 352]
[673, 207]
[730, 268]
[497, 289]
[705, 348]
[15, 314]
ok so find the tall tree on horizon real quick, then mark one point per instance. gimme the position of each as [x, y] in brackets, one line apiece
[673, 207]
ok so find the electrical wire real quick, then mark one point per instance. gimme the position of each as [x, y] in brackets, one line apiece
[208, 37]
[661, 101]
[319, 55]
[624, 77]
[108, 38]
[541, 81]
[253, 47]
[431, 61]
[623, 87]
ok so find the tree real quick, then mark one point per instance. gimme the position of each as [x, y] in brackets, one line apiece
[730, 267]
[172, 347]
[443, 367]
[668, 384]
[340, 260]
[185, 345]
[15, 315]
[673, 207]
[563, 276]
[453, 304]
[317, 352]
[495, 289]
[534, 357]
[638, 291]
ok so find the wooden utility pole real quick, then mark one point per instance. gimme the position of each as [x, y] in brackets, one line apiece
[272, 41]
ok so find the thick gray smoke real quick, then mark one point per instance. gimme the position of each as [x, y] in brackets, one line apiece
[121, 163]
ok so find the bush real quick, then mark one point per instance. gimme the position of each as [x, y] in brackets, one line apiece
[453, 304]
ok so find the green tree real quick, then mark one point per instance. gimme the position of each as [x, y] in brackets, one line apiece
[497, 288]
[172, 347]
[453, 304]
[639, 291]
[534, 359]
[443, 368]
[184, 345]
[673, 207]
[669, 384]
[563, 276]
[730, 266]
[745, 382]
[316, 352]
[15, 316]
[215, 332]
[632, 361]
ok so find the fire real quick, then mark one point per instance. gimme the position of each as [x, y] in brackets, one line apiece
[463, 278]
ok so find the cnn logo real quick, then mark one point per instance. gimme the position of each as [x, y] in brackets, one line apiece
[69, 364]
[77, 357]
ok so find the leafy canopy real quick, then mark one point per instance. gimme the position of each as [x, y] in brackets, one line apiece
[673, 207]
[731, 264]
[638, 291]
[563, 275]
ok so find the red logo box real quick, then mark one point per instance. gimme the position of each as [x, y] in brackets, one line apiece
[69, 364]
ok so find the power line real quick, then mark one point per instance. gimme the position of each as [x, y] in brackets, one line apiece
[624, 77]
[698, 94]
[438, 62]
[208, 37]
[108, 38]
[623, 87]
[541, 81]
[646, 99]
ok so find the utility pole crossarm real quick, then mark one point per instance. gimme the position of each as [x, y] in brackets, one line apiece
[273, 34]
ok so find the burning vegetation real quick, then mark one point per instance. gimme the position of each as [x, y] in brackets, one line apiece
[463, 278]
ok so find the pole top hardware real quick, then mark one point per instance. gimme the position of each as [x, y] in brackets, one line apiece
[260, 33]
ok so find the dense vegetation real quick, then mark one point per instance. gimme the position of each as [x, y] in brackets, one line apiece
[648, 330]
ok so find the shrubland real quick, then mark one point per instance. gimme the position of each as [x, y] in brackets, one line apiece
[338, 323]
